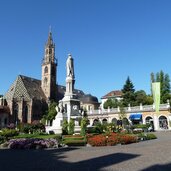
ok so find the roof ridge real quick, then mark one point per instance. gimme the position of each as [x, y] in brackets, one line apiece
[29, 77]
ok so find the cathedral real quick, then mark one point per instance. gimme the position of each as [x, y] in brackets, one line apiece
[28, 98]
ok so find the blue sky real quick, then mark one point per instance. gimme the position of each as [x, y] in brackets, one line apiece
[108, 39]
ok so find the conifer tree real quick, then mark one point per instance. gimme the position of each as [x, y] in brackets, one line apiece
[128, 93]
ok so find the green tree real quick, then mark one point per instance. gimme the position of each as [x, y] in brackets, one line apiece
[166, 89]
[51, 112]
[157, 77]
[140, 97]
[111, 103]
[65, 127]
[164, 85]
[122, 113]
[84, 123]
[71, 127]
[152, 77]
[128, 93]
[152, 80]
[149, 100]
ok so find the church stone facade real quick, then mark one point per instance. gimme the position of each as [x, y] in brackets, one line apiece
[28, 98]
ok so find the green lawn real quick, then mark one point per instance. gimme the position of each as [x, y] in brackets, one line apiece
[37, 136]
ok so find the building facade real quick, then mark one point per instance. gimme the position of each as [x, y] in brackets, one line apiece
[134, 115]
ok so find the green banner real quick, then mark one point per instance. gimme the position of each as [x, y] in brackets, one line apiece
[156, 95]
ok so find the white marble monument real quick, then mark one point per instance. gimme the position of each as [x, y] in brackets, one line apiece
[69, 106]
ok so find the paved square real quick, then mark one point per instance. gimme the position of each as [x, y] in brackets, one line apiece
[143, 156]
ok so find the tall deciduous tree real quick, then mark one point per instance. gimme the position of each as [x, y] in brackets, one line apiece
[111, 103]
[140, 97]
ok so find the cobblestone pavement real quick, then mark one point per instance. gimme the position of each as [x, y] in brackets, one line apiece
[144, 156]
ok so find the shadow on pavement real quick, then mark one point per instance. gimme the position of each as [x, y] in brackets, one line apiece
[165, 167]
[53, 160]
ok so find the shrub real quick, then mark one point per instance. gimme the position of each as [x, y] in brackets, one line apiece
[143, 126]
[9, 133]
[27, 128]
[142, 136]
[84, 123]
[151, 136]
[137, 131]
[93, 130]
[71, 127]
[2, 139]
[34, 127]
[75, 142]
[74, 137]
[65, 127]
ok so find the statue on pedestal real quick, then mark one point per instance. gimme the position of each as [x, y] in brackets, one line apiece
[70, 66]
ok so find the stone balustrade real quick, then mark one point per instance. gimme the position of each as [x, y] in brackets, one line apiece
[129, 109]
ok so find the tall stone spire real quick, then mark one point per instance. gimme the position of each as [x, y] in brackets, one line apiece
[49, 65]
[50, 40]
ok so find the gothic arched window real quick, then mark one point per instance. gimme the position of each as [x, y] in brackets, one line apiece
[50, 51]
[46, 70]
[16, 109]
[45, 81]
[25, 114]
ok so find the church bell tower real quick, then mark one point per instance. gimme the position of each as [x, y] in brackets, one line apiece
[49, 66]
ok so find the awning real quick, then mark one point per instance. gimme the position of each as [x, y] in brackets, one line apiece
[135, 116]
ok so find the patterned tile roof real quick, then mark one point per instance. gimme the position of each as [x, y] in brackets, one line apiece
[115, 93]
[33, 87]
[17, 90]
[30, 88]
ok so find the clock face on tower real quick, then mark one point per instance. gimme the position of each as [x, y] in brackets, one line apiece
[75, 107]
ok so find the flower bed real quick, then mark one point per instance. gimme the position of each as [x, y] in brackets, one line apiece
[97, 140]
[111, 139]
[32, 143]
[128, 139]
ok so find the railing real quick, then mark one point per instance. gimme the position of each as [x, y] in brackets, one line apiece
[140, 108]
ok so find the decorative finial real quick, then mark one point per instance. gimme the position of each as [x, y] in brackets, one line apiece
[50, 29]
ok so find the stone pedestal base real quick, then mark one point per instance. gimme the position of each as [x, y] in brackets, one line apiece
[55, 130]
[77, 129]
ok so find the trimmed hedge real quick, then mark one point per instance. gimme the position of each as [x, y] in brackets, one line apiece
[151, 136]
[74, 140]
